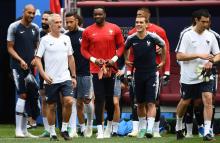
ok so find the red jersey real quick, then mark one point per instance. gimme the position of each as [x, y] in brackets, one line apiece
[102, 42]
[161, 32]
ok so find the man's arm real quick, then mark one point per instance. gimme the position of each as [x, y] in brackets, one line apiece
[39, 65]
[187, 57]
[14, 54]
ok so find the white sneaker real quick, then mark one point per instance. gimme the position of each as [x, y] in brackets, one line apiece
[19, 134]
[88, 132]
[73, 134]
[189, 136]
[133, 134]
[107, 132]
[100, 136]
[156, 135]
[29, 135]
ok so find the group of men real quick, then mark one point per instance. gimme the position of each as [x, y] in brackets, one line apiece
[79, 69]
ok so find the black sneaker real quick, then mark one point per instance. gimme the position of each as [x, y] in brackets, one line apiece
[179, 135]
[54, 138]
[208, 137]
[80, 134]
[114, 134]
[65, 135]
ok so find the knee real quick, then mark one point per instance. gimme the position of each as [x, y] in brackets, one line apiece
[79, 105]
[68, 102]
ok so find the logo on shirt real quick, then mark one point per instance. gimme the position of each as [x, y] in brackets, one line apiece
[207, 41]
[33, 32]
[51, 44]
[94, 34]
[111, 31]
[135, 44]
[65, 43]
[148, 43]
[22, 32]
[80, 40]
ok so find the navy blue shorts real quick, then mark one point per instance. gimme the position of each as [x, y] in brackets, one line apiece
[194, 91]
[19, 76]
[53, 91]
[145, 87]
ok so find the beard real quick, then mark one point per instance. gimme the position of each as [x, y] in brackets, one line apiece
[44, 26]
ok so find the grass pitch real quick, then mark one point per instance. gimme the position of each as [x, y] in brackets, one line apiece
[7, 136]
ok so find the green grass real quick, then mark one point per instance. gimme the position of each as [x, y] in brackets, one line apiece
[7, 136]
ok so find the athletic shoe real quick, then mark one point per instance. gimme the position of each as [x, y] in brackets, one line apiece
[54, 138]
[156, 135]
[133, 134]
[19, 134]
[189, 136]
[107, 132]
[72, 133]
[179, 135]
[208, 137]
[88, 132]
[65, 135]
[45, 134]
[100, 136]
[141, 133]
[114, 134]
[29, 135]
[201, 131]
[149, 134]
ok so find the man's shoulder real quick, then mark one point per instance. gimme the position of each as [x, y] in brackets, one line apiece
[14, 25]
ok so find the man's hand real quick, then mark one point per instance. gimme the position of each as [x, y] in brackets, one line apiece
[158, 50]
[48, 79]
[159, 66]
[166, 78]
[74, 82]
[100, 62]
[129, 63]
[33, 62]
[23, 65]
[110, 63]
[208, 66]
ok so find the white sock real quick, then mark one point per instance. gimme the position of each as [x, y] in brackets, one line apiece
[156, 127]
[142, 123]
[72, 120]
[189, 128]
[100, 129]
[45, 122]
[89, 109]
[64, 126]
[150, 123]
[24, 125]
[109, 125]
[19, 117]
[135, 126]
[179, 123]
[52, 130]
[115, 127]
[82, 127]
[207, 127]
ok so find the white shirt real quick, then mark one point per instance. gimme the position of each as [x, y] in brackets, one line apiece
[192, 43]
[55, 52]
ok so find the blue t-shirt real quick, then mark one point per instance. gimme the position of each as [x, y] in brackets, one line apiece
[25, 41]
[144, 51]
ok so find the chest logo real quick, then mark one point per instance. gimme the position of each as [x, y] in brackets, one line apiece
[33, 32]
[80, 39]
[22, 32]
[148, 43]
[110, 31]
[207, 41]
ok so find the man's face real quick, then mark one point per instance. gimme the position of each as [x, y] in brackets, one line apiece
[44, 21]
[99, 15]
[56, 24]
[71, 23]
[140, 24]
[202, 23]
[29, 14]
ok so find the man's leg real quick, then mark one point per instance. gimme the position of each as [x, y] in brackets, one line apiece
[80, 114]
[72, 121]
[141, 112]
[151, 113]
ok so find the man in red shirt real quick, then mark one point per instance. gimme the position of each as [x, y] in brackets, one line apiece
[165, 72]
[102, 44]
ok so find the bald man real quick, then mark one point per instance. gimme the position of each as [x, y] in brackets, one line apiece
[22, 40]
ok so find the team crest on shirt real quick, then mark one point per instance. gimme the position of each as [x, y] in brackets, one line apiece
[80, 39]
[110, 31]
[33, 32]
[207, 41]
[148, 43]
[65, 43]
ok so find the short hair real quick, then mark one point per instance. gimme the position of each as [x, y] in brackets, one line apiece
[48, 12]
[201, 12]
[100, 7]
[145, 9]
[146, 20]
[76, 16]
[51, 18]
[68, 14]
